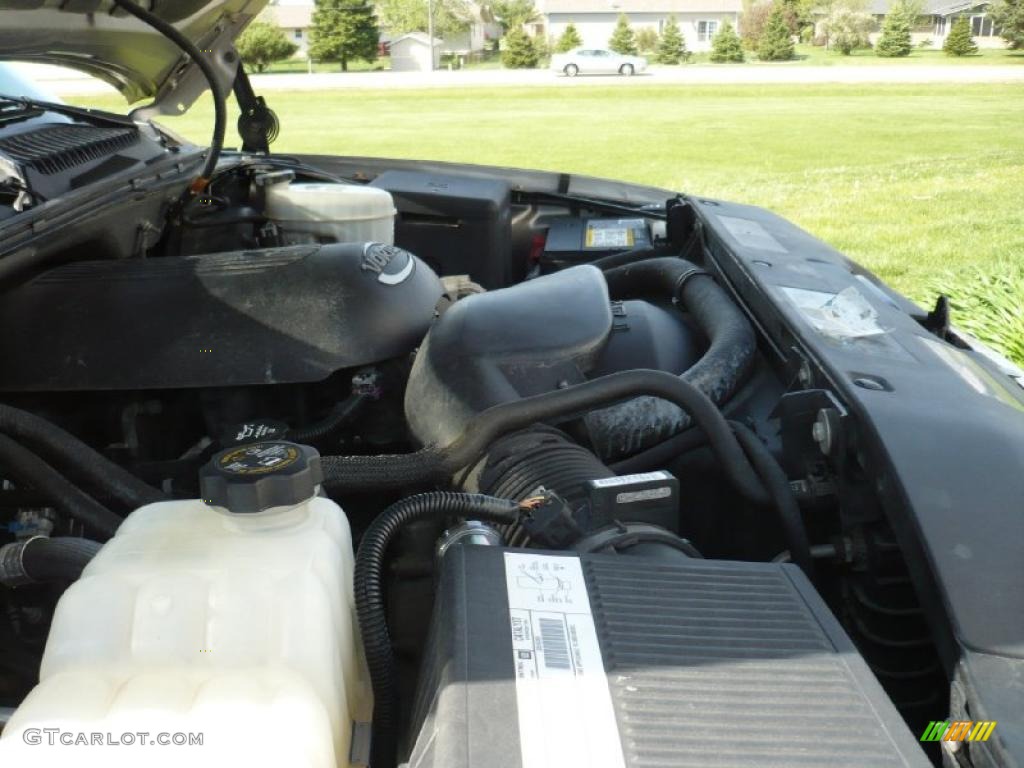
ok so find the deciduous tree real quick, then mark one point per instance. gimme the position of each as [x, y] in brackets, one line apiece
[262, 44]
[451, 17]
[848, 30]
[1008, 15]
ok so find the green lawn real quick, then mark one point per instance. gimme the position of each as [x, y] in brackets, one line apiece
[908, 180]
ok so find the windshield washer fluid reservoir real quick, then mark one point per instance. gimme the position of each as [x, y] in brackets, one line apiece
[238, 628]
[330, 212]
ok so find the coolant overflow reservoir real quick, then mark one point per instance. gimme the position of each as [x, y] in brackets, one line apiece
[208, 634]
[331, 212]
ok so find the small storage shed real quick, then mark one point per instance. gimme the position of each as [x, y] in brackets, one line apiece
[411, 53]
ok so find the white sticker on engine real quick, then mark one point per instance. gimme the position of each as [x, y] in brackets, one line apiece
[565, 707]
[643, 477]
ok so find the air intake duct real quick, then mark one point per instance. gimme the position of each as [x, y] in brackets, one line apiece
[516, 466]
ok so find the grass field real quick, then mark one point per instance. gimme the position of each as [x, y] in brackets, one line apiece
[907, 180]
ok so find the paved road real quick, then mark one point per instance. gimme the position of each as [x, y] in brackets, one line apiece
[59, 81]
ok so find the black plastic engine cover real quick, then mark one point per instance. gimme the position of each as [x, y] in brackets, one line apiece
[279, 315]
[535, 337]
[502, 345]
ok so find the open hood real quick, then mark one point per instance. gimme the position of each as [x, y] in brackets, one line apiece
[97, 37]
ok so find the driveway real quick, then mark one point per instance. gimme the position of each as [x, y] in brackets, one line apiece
[70, 83]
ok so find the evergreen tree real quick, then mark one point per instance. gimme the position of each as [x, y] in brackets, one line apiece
[519, 52]
[726, 45]
[344, 30]
[570, 39]
[623, 40]
[895, 39]
[672, 47]
[776, 43]
[959, 41]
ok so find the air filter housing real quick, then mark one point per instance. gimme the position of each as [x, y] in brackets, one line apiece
[551, 659]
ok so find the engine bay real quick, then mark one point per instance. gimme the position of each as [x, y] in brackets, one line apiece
[478, 375]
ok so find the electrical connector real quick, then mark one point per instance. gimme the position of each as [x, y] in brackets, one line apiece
[548, 520]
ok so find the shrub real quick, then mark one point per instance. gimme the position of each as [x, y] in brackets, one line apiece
[672, 47]
[262, 44]
[726, 45]
[848, 30]
[959, 41]
[753, 23]
[519, 51]
[776, 43]
[570, 39]
[623, 40]
[646, 40]
[986, 303]
[895, 39]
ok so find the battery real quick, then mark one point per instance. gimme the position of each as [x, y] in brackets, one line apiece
[572, 240]
[540, 659]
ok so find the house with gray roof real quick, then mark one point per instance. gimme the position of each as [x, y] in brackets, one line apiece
[937, 18]
[595, 20]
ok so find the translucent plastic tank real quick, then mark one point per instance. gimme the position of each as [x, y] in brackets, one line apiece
[238, 628]
[330, 212]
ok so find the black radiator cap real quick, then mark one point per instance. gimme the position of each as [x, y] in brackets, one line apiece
[255, 477]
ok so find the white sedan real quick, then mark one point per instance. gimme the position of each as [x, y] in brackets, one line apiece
[596, 61]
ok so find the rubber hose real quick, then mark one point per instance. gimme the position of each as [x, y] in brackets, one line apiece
[661, 454]
[369, 589]
[337, 418]
[220, 110]
[58, 559]
[77, 459]
[635, 426]
[435, 464]
[628, 257]
[23, 466]
[785, 503]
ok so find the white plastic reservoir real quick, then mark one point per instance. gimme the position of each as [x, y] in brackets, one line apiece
[238, 628]
[343, 213]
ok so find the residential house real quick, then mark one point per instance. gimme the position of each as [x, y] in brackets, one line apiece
[595, 20]
[296, 20]
[295, 17]
[938, 17]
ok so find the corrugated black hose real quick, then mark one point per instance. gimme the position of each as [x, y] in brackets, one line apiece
[628, 428]
[24, 467]
[42, 559]
[75, 458]
[369, 588]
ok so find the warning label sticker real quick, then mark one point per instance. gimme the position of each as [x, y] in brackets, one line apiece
[565, 707]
